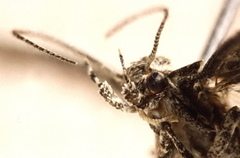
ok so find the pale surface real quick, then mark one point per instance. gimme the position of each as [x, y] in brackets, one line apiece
[50, 109]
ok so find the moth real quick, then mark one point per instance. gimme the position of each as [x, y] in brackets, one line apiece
[188, 109]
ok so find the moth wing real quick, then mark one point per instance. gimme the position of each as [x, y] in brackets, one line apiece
[223, 69]
[225, 62]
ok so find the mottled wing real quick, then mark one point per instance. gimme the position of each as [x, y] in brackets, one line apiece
[224, 64]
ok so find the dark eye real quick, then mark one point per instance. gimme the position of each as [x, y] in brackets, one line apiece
[156, 82]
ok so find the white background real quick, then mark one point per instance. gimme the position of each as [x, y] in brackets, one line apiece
[52, 109]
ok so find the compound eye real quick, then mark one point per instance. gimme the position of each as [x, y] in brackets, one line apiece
[156, 82]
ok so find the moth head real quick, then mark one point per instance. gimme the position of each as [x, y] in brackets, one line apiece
[144, 78]
[142, 85]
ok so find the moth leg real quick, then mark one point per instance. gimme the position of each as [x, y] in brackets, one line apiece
[164, 145]
[224, 136]
[165, 126]
[234, 145]
[166, 140]
[108, 94]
